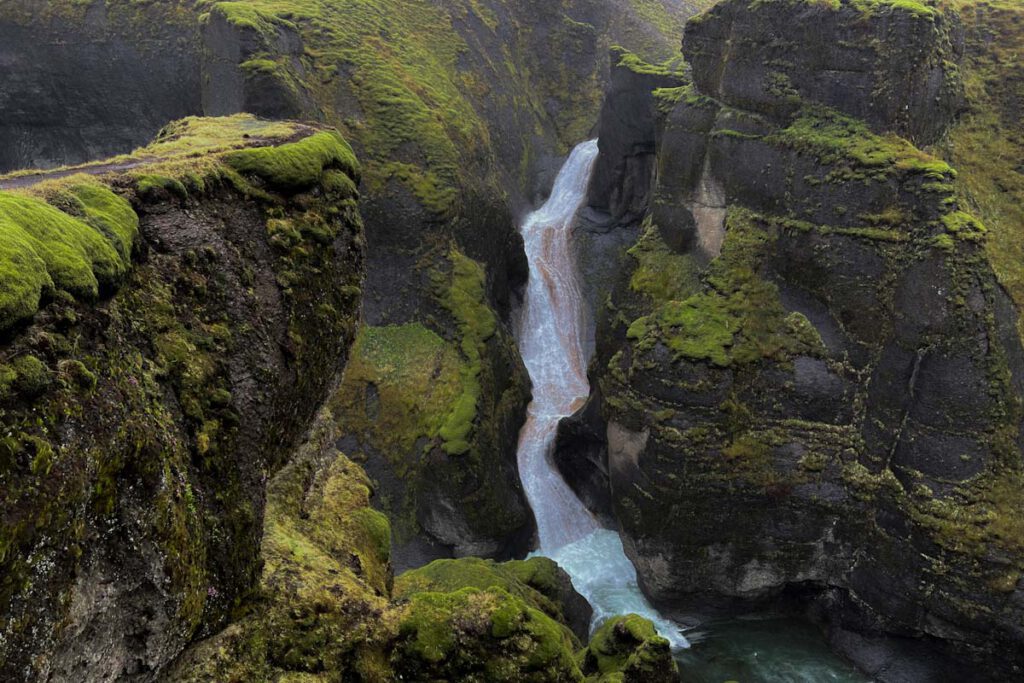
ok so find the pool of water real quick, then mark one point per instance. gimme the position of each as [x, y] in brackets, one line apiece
[762, 649]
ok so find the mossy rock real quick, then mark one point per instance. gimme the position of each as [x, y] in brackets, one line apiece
[121, 411]
[628, 648]
[538, 581]
[31, 376]
[488, 634]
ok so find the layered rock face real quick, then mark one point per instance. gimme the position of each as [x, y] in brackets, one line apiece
[188, 308]
[892, 71]
[85, 82]
[811, 376]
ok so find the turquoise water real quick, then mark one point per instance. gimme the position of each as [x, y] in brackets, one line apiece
[762, 649]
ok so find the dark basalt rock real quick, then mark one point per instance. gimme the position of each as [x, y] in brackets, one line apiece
[581, 455]
[895, 69]
[840, 464]
[244, 69]
[78, 92]
[620, 185]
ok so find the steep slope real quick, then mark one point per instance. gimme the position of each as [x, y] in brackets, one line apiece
[986, 144]
[167, 333]
[811, 376]
[327, 607]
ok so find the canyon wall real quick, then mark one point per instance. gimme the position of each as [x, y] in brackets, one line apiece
[809, 372]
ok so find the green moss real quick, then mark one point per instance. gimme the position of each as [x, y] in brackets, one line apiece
[738, 319]
[465, 297]
[31, 376]
[326, 566]
[194, 135]
[963, 225]
[87, 198]
[944, 242]
[42, 248]
[628, 60]
[839, 139]
[376, 528]
[7, 377]
[297, 164]
[77, 375]
[629, 646]
[481, 634]
[535, 581]
[416, 376]
[915, 8]
[702, 328]
[151, 182]
[660, 273]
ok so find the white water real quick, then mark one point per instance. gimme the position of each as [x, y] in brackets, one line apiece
[550, 339]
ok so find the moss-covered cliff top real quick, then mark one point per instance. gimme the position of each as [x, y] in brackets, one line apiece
[923, 9]
[73, 230]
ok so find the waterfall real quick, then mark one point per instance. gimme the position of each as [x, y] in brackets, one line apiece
[550, 335]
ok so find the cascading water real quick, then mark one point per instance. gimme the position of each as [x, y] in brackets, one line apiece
[551, 343]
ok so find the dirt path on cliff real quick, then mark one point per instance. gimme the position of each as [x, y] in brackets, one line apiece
[19, 180]
[28, 180]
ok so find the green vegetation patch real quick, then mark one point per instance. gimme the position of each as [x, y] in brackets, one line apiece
[660, 273]
[296, 164]
[628, 647]
[465, 297]
[415, 377]
[43, 249]
[478, 634]
[535, 581]
[835, 138]
[417, 384]
[738, 318]
[674, 67]
[919, 9]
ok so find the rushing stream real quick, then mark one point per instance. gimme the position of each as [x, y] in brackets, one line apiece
[551, 341]
[550, 334]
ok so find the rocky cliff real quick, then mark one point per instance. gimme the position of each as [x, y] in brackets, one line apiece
[810, 373]
[170, 322]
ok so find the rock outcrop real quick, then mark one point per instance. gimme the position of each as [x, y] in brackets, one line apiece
[328, 606]
[891, 64]
[170, 323]
[620, 186]
[811, 376]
